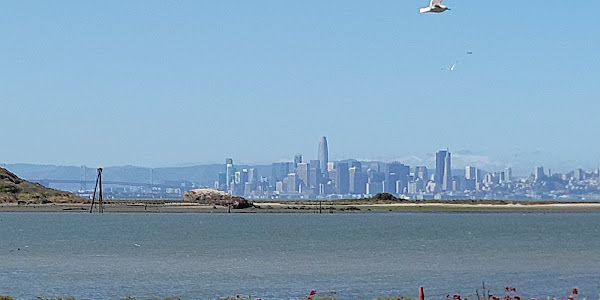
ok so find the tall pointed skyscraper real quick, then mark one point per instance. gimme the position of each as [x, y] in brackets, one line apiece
[447, 180]
[323, 154]
[443, 170]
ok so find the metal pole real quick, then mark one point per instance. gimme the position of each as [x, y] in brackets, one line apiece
[100, 202]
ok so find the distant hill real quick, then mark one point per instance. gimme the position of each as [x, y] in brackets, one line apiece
[15, 189]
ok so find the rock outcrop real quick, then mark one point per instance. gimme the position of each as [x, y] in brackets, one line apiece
[215, 197]
[15, 189]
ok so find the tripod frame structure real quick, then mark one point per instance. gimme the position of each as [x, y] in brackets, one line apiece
[98, 187]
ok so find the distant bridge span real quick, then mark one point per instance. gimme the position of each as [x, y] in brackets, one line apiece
[47, 182]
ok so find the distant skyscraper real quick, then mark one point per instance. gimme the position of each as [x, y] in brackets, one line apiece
[315, 174]
[470, 173]
[297, 160]
[248, 187]
[222, 181]
[374, 188]
[323, 154]
[443, 170]
[229, 171]
[343, 178]
[447, 180]
[279, 171]
[358, 181]
[422, 173]
[539, 174]
[374, 176]
[395, 172]
[330, 166]
[292, 183]
[507, 174]
[244, 176]
[303, 173]
[440, 157]
[314, 178]
[253, 175]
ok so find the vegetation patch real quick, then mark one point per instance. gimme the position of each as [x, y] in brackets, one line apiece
[16, 190]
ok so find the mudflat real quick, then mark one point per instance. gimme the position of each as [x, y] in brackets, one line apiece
[141, 206]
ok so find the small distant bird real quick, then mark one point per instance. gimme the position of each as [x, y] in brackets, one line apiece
[137, 245]
[469, 52]
[434, 6]
[452, 69]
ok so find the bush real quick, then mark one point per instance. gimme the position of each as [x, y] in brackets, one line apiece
[384, 196]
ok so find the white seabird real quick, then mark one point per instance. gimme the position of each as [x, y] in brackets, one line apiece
[452, 69]
[454, 65]
[434, 6]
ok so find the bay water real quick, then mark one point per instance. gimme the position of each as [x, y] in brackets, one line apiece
[284, 256]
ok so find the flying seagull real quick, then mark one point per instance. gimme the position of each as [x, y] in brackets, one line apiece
[451, 68]
[434, 6]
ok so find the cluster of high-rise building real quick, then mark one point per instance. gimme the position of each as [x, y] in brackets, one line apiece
[322, 179]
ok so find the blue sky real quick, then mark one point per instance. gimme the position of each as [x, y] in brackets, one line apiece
[163, 83]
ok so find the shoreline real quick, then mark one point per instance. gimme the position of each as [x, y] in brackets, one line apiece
[137, 206]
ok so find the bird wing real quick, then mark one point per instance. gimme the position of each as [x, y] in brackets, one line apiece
[435, 2]
[454, 65]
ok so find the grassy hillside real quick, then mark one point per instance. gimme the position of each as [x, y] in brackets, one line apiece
[15, 189]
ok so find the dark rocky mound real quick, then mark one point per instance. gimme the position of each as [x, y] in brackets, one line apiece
[15, 189]
[214, 197]
[385, 197]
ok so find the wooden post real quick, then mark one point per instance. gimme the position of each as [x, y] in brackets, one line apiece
[100, 202]
[94, 195]
[98, 185]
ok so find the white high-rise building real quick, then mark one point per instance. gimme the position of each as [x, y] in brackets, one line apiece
[470, 172]
[323, 155]
[508, 174]
[229, 171]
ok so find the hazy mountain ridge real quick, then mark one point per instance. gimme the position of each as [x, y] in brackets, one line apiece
[203, 175]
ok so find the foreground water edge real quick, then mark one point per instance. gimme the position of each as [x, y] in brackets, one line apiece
[280, 256]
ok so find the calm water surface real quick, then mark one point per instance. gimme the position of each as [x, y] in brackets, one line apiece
[283, 256]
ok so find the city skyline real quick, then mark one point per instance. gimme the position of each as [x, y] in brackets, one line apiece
[306, 178]
[323, 179]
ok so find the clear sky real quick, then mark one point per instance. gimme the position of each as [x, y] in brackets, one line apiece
[164, 83]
